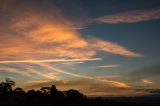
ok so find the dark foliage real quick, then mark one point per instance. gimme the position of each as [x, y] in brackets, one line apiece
[50, 96]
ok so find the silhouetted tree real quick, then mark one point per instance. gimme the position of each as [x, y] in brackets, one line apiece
[31, 94]
[75, 97]
[53, 89]
[6, 88]
[19, 91]
[45, 90]
[49, 96]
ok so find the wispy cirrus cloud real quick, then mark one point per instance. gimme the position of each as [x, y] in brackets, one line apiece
[33, 35]
[116, 83]
[30, 72]
[89, 87]
[36, 81]
[108, 66]
[99, 79]
[11, 70]
[133, 16]
[107, 76]
[47, 75]
[110, 47]
[72, 63]
[51, 60]
[64, 71]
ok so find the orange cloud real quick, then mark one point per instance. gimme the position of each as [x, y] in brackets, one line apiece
[53, 60]
[88, 87]
[33, 35]
[51, 36]
[113, 48]
[116, 83]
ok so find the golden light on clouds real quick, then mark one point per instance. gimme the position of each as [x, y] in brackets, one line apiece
[34, 42]
[39, 41]
[116, 83]
[110, 47]
[51, 60]
[35, 36]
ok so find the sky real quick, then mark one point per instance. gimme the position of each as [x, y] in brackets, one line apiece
[99, 47]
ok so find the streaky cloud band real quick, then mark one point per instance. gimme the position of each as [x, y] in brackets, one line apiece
[51, 60]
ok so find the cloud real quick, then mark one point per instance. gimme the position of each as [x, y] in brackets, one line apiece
[110, 47]
[34, 34]
[88, 87]
[155, 91]
[147, 81]
[72, 63]
[11, 70]
[51, 76]
[108, 66]
[52, 35]
[36, 81]
[51, 73]
[64, 71]
[116, 83]
[31, 36]
[31, 73]
[149, 72]
[107, 76]
[53, 68]
[36, 84]
[150, 91]
[51, 60]
[83, 83]
[133, 16]
[147, 76]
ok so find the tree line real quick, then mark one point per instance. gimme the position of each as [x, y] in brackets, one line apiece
[46, 96]
[51, 96]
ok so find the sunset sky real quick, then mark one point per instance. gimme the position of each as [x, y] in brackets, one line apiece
[99, 47]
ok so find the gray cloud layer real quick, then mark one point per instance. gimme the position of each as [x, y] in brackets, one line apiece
[150, 71]
[145, 77]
